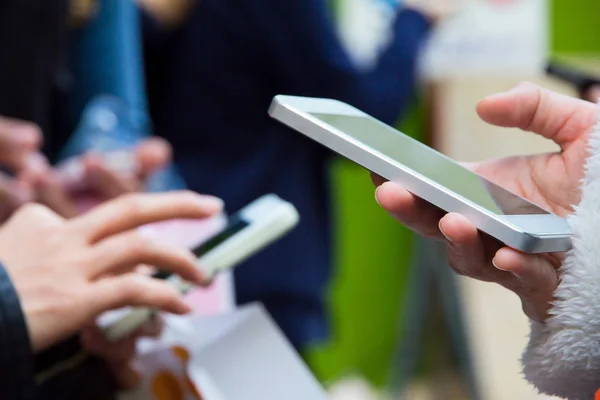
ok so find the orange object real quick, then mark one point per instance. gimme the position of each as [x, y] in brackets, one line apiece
[182, 354]
[597, 397]
[166, 386]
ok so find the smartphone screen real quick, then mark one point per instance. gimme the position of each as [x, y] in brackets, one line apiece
[429, 163]
[235, 224]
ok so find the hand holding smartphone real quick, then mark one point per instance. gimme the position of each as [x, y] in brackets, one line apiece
[248, 231]
[428, 174]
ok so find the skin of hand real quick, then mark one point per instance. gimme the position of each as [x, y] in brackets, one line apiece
[20, 144]
[550, 180]
[120, 355]
[67, 272]
[101, 182]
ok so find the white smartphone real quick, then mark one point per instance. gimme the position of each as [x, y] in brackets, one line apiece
[425, 172]
[248, 231]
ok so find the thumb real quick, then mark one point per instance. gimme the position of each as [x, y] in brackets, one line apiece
[529, 107]
[152, 155]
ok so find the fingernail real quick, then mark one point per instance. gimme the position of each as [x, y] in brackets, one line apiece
[442, 231]
[184, 308]
[200, 277]
[37, 162]
[496, 265]
[124, 162]
[376, 197]
[212, 202]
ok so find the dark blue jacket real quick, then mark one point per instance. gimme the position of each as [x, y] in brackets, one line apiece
[16, 366]
[211, 83]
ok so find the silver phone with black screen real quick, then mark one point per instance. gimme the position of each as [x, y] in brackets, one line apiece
[425, 172]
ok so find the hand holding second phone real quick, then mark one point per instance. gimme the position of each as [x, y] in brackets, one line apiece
[85, 181]
[551, 180]
[67, 272]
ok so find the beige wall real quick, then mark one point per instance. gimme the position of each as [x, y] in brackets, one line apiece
[497, 328]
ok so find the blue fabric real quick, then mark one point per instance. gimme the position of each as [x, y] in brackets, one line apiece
[106, 59]
[210, 86]
[108, 78]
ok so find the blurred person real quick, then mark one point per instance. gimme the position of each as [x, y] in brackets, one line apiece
[211, 80]
[58, 275]
[562, 359]
[33, 74]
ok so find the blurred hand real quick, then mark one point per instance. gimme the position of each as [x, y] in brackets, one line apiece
[99, 181]
[549, 180]
[67, 272]
[120, 355]
[20, 143]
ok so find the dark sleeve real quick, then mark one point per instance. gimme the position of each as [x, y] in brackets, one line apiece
[153, 32]
[312, 61]
[16, 358]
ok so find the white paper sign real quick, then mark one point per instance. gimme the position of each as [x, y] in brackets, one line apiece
[490, 37]
[242, 355]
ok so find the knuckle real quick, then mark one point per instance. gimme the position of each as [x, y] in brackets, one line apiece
[131, 204]
[31, 129]
[34, 209]
[530, 292]
[59, 299]
[38, 212]
[131, 288]
[185, 196]
[526, 85]
[139, 247]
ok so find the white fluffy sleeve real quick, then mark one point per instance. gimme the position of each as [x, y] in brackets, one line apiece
[563, 355]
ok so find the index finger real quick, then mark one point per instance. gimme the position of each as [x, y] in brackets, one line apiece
[152, 155]
[134, 210]
[529, 107]
[413, 212]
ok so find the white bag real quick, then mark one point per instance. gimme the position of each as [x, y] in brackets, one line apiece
[241, 355]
